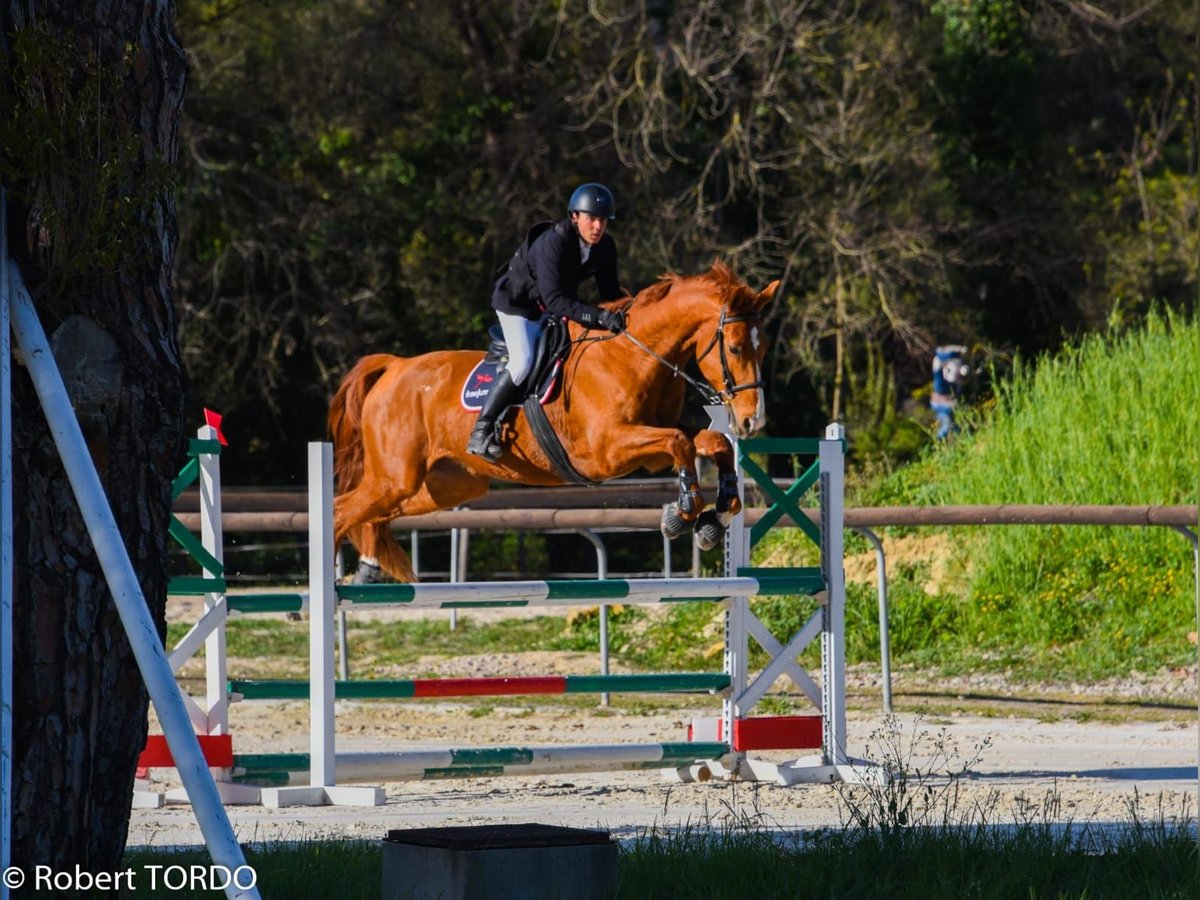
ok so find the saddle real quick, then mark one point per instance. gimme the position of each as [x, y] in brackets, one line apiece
[554, 343]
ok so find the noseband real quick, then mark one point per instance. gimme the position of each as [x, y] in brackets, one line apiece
[718, 341]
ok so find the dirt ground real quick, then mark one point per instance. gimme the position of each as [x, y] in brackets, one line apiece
[1090, 752]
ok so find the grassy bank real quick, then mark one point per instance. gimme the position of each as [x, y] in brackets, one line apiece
[1111, 420]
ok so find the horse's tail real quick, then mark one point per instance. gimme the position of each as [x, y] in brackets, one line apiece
[345, 418]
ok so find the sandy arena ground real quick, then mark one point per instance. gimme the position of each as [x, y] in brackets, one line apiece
[1092, 748]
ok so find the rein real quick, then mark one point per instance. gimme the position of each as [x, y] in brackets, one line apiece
[718, 340]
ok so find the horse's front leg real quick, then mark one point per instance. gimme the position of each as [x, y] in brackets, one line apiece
[682, 515]
[715, 446]
[622, 449]
[712, 523]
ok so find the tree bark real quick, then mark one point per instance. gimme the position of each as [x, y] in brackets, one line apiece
[94, 235]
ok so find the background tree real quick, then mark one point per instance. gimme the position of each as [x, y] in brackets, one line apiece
[352, 184]
[1000, 173]
[91, 102]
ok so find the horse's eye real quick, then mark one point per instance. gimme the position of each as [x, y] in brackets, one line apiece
[735, 350]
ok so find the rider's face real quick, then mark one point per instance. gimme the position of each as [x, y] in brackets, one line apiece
[591, 228]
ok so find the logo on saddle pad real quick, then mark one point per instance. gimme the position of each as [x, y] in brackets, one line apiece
[479, 383]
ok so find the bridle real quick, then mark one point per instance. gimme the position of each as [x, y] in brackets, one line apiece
[718, 340]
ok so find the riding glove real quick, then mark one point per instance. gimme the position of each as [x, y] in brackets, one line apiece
[613, 320]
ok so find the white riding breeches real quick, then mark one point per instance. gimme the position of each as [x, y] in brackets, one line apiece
[521, 335]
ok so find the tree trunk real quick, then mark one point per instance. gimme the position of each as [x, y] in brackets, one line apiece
[97, 88]
[839, 344]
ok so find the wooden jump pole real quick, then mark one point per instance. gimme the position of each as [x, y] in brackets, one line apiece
[284, 521]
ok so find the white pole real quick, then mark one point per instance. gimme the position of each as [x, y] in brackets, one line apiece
[833, 634]
[343, 652]
[213, 539]
[127, 593]
[456, 535]
[321, 604]
[601, 574]
[737, 636]
[6, 542]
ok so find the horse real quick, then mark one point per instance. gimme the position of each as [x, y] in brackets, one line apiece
[400, 432]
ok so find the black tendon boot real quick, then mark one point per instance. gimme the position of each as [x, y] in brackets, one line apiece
[485, 439]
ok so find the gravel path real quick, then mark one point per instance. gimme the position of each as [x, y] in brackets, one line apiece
[1070, 752]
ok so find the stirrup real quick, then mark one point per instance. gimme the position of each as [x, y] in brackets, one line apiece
[485, 444]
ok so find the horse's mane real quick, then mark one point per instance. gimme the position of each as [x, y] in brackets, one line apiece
[731, 290]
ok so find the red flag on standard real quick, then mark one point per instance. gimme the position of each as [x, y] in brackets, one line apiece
[213, 419]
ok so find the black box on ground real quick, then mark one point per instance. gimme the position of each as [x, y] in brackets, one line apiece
[524, 861]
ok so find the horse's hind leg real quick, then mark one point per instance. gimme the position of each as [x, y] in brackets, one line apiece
[379, 544]
[362, 515]
[379, 552]
[364, 518]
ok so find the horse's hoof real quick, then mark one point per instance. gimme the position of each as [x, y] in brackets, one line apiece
[673, 525]
[709, 530]
[366, 573]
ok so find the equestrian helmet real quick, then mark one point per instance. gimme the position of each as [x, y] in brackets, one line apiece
[593, 199]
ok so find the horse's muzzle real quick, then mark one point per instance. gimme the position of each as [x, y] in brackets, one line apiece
[748, 424]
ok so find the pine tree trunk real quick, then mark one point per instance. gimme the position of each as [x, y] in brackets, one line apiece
[92, 228]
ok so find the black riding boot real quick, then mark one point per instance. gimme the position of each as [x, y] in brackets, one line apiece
[485, 439]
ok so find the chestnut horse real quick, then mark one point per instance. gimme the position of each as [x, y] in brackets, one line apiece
[400, 432]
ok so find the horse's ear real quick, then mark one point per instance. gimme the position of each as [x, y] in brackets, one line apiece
[766, 294]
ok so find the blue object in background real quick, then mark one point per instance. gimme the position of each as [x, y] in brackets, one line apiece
[950, 371]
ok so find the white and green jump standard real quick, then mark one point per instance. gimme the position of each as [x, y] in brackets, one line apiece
[721, 746]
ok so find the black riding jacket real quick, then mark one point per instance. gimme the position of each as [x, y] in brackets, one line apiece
[545, 273]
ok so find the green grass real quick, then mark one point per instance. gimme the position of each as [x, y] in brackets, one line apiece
[918, 863]
[262, 646]
[1111, 420]
[1024, 860]
[347, 869]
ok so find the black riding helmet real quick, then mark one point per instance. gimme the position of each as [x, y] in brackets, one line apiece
[593, 199]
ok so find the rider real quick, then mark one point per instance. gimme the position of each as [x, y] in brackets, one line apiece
[542, 280]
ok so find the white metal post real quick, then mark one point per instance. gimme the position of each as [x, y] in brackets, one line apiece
[737, 640]
[833, 634]
[343, 651]
[213, 539]
[321, 605]
[214, 719]
[881, 596]
[460, 542]
[601, 574]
